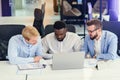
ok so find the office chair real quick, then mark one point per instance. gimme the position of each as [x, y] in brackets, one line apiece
[49, 28]
[38, 21]
[73, 13]
[43, 10]
[96, 7]
[69, 11]
[6, 32]
[114, 27]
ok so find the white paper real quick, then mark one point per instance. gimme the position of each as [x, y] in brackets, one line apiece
[30, 66]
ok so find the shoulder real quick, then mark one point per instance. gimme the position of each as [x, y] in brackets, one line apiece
[71, 34]
[39, 39]
[51, 35]
[87, 37]
[16, 38]
[109, 34]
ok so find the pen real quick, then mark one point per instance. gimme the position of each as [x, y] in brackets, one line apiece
[44, 65]
[96, 66]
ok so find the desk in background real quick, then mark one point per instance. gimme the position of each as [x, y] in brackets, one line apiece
[17, 20]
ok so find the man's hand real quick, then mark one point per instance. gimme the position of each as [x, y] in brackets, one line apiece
[88, 56]
[37, 59]
[95, 56]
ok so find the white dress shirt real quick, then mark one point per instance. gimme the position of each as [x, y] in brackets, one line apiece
[71, 43]
[97, 46]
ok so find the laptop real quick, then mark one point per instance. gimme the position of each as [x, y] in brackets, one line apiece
[63, 61]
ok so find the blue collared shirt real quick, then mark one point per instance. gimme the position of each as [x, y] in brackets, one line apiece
[21, 52]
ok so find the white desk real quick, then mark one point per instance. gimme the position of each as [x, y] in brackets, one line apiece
[17, 20]
[108, 71]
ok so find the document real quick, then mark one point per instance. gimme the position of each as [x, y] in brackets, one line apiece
[31, 66]
[90, 63]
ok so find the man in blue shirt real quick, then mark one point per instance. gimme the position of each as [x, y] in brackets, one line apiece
[25, 48]
[100, 44]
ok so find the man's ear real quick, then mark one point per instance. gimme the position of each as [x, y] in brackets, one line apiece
[26, 40]
[100, 30]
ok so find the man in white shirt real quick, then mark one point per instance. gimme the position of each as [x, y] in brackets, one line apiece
[60, 40]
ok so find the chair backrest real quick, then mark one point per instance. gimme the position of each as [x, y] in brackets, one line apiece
[43, 9]
[114, 27]
[49, 28]
[66, 6]
[38, 14]
[38, 21]
[69, 11]
[74, 16]
[96, 6]
[6, 32]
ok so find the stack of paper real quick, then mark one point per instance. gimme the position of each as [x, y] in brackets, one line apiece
[30, 66]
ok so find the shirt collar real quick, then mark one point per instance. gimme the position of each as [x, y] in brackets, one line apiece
[98, 39]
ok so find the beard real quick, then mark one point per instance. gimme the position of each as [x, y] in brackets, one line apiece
[60, 40]
[95, 36]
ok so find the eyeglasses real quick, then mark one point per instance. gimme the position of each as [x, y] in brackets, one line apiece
[91, 31]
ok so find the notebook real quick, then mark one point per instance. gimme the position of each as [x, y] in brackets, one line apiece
[30, 66]
[73, 60]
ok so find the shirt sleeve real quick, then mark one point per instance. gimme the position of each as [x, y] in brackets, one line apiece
[78, 44]
[45, 45]
[45, 49]
[13, 53]
[39, 48]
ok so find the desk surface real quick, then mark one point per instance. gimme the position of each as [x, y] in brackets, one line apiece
[17, 20]
[107, 71]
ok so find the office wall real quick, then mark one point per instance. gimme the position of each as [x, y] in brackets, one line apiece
[18, 4]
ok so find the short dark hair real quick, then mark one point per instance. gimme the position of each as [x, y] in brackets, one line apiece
[95, 22]
[59, 25]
